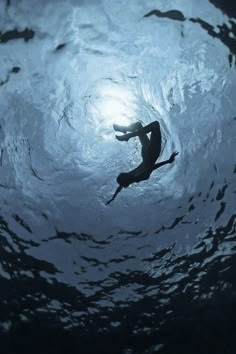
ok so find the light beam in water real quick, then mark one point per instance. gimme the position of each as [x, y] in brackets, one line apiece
[113, 104]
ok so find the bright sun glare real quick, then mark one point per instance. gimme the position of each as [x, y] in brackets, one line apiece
[114, 104]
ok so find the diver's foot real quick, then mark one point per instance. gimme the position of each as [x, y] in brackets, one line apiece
[119, 128]
[122, 137]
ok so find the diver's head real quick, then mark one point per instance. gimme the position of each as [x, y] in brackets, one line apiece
[123, 180]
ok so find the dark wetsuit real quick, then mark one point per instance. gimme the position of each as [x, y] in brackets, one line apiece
[151, 149]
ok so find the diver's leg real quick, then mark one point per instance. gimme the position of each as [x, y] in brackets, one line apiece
[127, 128]
[154, 149]
[133, 128]
[120, 128]
[152, 127]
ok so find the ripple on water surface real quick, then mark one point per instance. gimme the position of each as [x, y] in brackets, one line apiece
[159, 261]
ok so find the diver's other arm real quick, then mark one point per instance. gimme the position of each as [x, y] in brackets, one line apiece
[115, 194]
[170, 160]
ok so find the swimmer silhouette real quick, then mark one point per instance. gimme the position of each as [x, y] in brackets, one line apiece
[151, 149]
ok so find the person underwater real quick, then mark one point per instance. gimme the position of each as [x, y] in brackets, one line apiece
[150, 152]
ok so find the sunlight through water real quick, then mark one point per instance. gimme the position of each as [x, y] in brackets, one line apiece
[156, 266]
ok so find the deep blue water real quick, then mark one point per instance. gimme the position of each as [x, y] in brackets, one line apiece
[153, 272]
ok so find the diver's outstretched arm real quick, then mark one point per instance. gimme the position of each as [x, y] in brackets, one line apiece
[170, 160]
[115, 194]
[157, 165]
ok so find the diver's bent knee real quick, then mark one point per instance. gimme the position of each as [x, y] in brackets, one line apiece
[155, 125]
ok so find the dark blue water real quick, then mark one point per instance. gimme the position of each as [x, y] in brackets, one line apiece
[153, 272]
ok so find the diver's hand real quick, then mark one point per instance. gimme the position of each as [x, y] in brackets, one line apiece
[172, 157]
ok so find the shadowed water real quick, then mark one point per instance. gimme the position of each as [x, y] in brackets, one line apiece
[154, 271]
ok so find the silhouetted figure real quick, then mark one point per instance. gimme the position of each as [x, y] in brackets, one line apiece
[151, 149]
